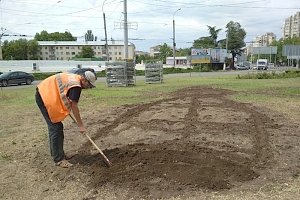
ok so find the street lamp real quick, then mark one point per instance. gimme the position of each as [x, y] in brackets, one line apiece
[106, 45]
[174, 44]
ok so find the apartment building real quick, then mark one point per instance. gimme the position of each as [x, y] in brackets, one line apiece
[66, 50]
[291, 26]
[154, 51]
[264, 40]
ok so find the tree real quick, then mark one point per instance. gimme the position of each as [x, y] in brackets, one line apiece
[86, 52]
[222, 43]
[204, 42]
[140, 58]
[214, 34]
[235, 39]
[43, 36]
[33, 50]
[16, 49]
[56, 36]
[184, 52]
[164, 52]
[208, 41]
[89, 36]
[67, 36]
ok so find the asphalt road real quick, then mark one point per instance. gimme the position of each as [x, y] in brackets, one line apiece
[193, 74]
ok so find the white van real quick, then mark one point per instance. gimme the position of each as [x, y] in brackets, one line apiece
[262, 64]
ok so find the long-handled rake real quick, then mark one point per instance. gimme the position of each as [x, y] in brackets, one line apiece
[107, 162]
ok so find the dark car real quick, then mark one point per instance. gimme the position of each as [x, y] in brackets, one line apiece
[15, 78]
[81, 71]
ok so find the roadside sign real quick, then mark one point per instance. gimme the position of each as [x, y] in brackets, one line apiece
[199, 56]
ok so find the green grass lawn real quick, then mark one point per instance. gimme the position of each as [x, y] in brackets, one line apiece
[21, 124]
[256, 91]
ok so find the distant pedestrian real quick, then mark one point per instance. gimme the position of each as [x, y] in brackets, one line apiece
[56, 97]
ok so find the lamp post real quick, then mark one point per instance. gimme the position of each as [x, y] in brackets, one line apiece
[174, 44]
[106, 45]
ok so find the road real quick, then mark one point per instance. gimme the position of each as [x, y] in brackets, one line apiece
[193, 74]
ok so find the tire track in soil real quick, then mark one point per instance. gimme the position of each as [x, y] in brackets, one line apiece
[188, 163]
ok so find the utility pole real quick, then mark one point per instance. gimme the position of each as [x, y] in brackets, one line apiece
[1, 57]
[224, 65]
[174, 43]
[125, 30]
[1, 34]
[270, 47]
[251, 53]
[126, 25]
[106, 45]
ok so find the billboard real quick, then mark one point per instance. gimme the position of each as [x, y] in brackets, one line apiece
[218, 55]
[292, 51]
[199, 56]
[263, 50]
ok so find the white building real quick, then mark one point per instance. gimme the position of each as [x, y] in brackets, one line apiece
[291, 26]
[66, 50]
[264, 40]
[154, 51]
[179, 61]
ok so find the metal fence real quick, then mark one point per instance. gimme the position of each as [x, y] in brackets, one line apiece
[154, 72]
[48, 65]
[120, 74]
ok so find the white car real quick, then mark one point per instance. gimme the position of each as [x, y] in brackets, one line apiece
[242, 67]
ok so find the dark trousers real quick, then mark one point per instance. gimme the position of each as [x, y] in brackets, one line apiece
[55, 130]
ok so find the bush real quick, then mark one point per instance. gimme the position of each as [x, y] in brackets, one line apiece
[101, 74]
[42, 76]
[272, 75]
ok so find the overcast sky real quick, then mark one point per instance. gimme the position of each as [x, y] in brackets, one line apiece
[150, 21]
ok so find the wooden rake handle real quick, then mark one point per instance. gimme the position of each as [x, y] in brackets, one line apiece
[107, 162]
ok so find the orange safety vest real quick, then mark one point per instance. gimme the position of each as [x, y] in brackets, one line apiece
[53, 91]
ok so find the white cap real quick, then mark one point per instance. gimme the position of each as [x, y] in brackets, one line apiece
[90, 77]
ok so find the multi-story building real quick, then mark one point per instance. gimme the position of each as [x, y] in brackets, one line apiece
[264, 40]
[154, 51]
[66, 50]
[291, 26]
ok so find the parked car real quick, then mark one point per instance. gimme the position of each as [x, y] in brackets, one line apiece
[15, 78]
[271, 65]
[81, 71]
[242, 67]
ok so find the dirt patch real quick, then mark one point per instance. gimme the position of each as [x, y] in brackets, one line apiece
[195, 140]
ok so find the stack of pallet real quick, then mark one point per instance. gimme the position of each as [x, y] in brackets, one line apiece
[154, 72]
[120, 73]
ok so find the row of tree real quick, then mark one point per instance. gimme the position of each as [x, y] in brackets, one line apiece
[23, 49]
[234, 42]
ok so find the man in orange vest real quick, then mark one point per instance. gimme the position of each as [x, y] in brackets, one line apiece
[56, 97]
